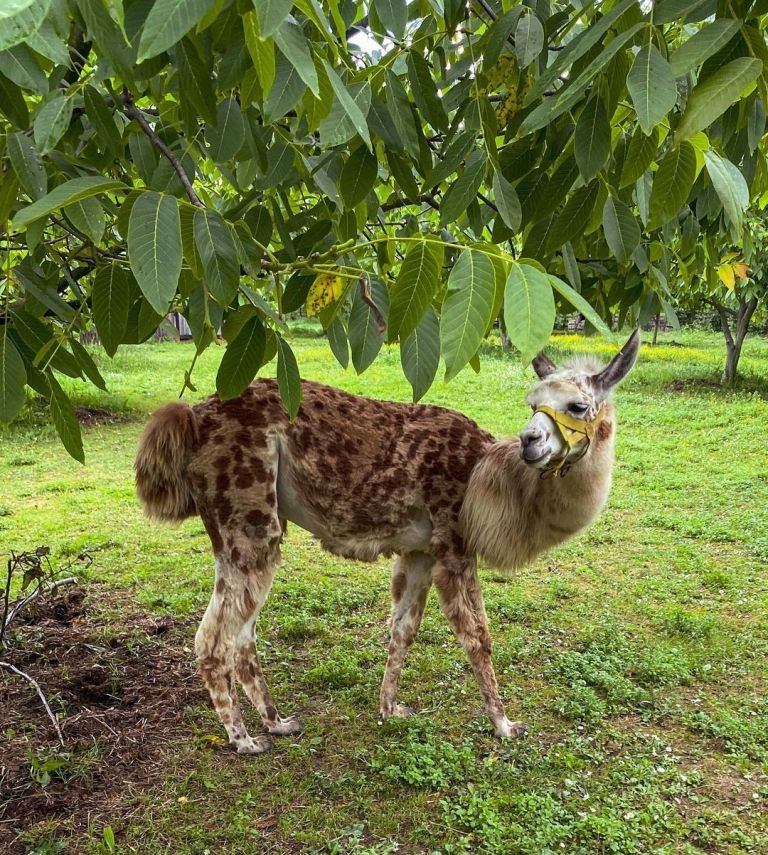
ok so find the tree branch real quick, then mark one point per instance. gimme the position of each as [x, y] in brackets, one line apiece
[33, 682]
[133, 112]
[427, 198]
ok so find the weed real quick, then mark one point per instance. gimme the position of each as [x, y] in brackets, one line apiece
[425, 761]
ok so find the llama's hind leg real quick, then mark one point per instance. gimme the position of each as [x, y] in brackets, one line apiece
[411, 578]
[249, 673]
[458, 589]
[215, 647]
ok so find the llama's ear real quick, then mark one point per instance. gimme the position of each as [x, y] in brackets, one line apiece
[543, 366]
[618, 368]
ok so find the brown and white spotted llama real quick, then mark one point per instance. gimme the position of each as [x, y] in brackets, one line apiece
[371, 478]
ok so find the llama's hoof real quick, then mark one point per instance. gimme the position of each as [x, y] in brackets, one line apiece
[253, 745]
[506, 729]
[396, 711]
[402, 711]
[284, 726]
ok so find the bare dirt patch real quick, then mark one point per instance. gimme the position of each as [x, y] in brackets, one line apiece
[100, 416]
[120, 695]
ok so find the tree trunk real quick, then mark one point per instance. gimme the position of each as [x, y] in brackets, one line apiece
[734, 337]
[656, 329]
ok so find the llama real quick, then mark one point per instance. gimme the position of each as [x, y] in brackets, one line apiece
[370, 478]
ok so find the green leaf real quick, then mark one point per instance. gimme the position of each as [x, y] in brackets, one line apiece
[295, 48]
[52, 122]
[19, 19]
[348, 104]
[578, 47]
[167, 22]
[271, 14]
[288, 379]
[529, 39]
[652, 87]
[65, 194]
[464, 190]
[505, 196]
[731, 189]
[227, 137]
[640, 154]
[218, 254]
[285, 92]
[672, 184]
[111, 300]
[12, 103]
[64, 419]
[467, 309]
[580, 304]
[755, 123]
[402, 115]
[262, 52]
[358, 176]
[667, 11]
[13, 378]
[425, 91]
[103, 121]
[393, 14]
[338, 341]
[420, 354]
[27, 164]
[20, 65]
[49, 43]
[451, 156]
[592, 139]
[154, 248]
[413, 290]
[296, 290]
[88, 366]
[529, 309]
[88, 217]
[574, 218]
[703, 44]
[365, 337]
[714, 95]
[241, 360]
[622, 231]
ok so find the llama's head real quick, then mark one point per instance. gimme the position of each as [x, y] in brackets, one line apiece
[568, 406]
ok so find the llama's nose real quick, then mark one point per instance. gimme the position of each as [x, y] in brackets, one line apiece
[531, 436]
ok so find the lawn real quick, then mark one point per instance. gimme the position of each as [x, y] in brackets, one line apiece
[637, 652]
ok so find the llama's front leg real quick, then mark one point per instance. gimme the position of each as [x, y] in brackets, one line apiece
[215, 648]
[458, 588]
[411, 578]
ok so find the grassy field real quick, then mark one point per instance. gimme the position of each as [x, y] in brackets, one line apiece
[637, 652]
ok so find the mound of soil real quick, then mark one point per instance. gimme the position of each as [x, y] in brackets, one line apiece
[119, 695]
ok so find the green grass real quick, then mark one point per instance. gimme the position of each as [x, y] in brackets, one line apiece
[637, 652]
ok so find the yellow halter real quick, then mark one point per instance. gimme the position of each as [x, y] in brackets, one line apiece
[573, 431]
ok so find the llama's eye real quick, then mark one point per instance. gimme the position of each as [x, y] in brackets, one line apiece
[578, 409]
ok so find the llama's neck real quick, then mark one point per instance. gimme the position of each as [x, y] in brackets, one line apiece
[510, 514]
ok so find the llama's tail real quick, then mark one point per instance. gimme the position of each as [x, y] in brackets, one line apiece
[161, 463]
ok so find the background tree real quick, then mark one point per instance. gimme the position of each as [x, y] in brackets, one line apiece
[400, 169]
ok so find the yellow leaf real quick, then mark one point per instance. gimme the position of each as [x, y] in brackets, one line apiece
[324, 291]
[507, 109]
[727, 276]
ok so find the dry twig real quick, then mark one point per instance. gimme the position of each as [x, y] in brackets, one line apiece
[51, 716]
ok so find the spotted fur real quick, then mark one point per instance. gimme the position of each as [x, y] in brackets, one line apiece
[368, 478]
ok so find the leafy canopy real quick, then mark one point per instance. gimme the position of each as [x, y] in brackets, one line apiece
[402, 169]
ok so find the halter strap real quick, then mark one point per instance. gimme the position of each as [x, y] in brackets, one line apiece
[573, 431]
